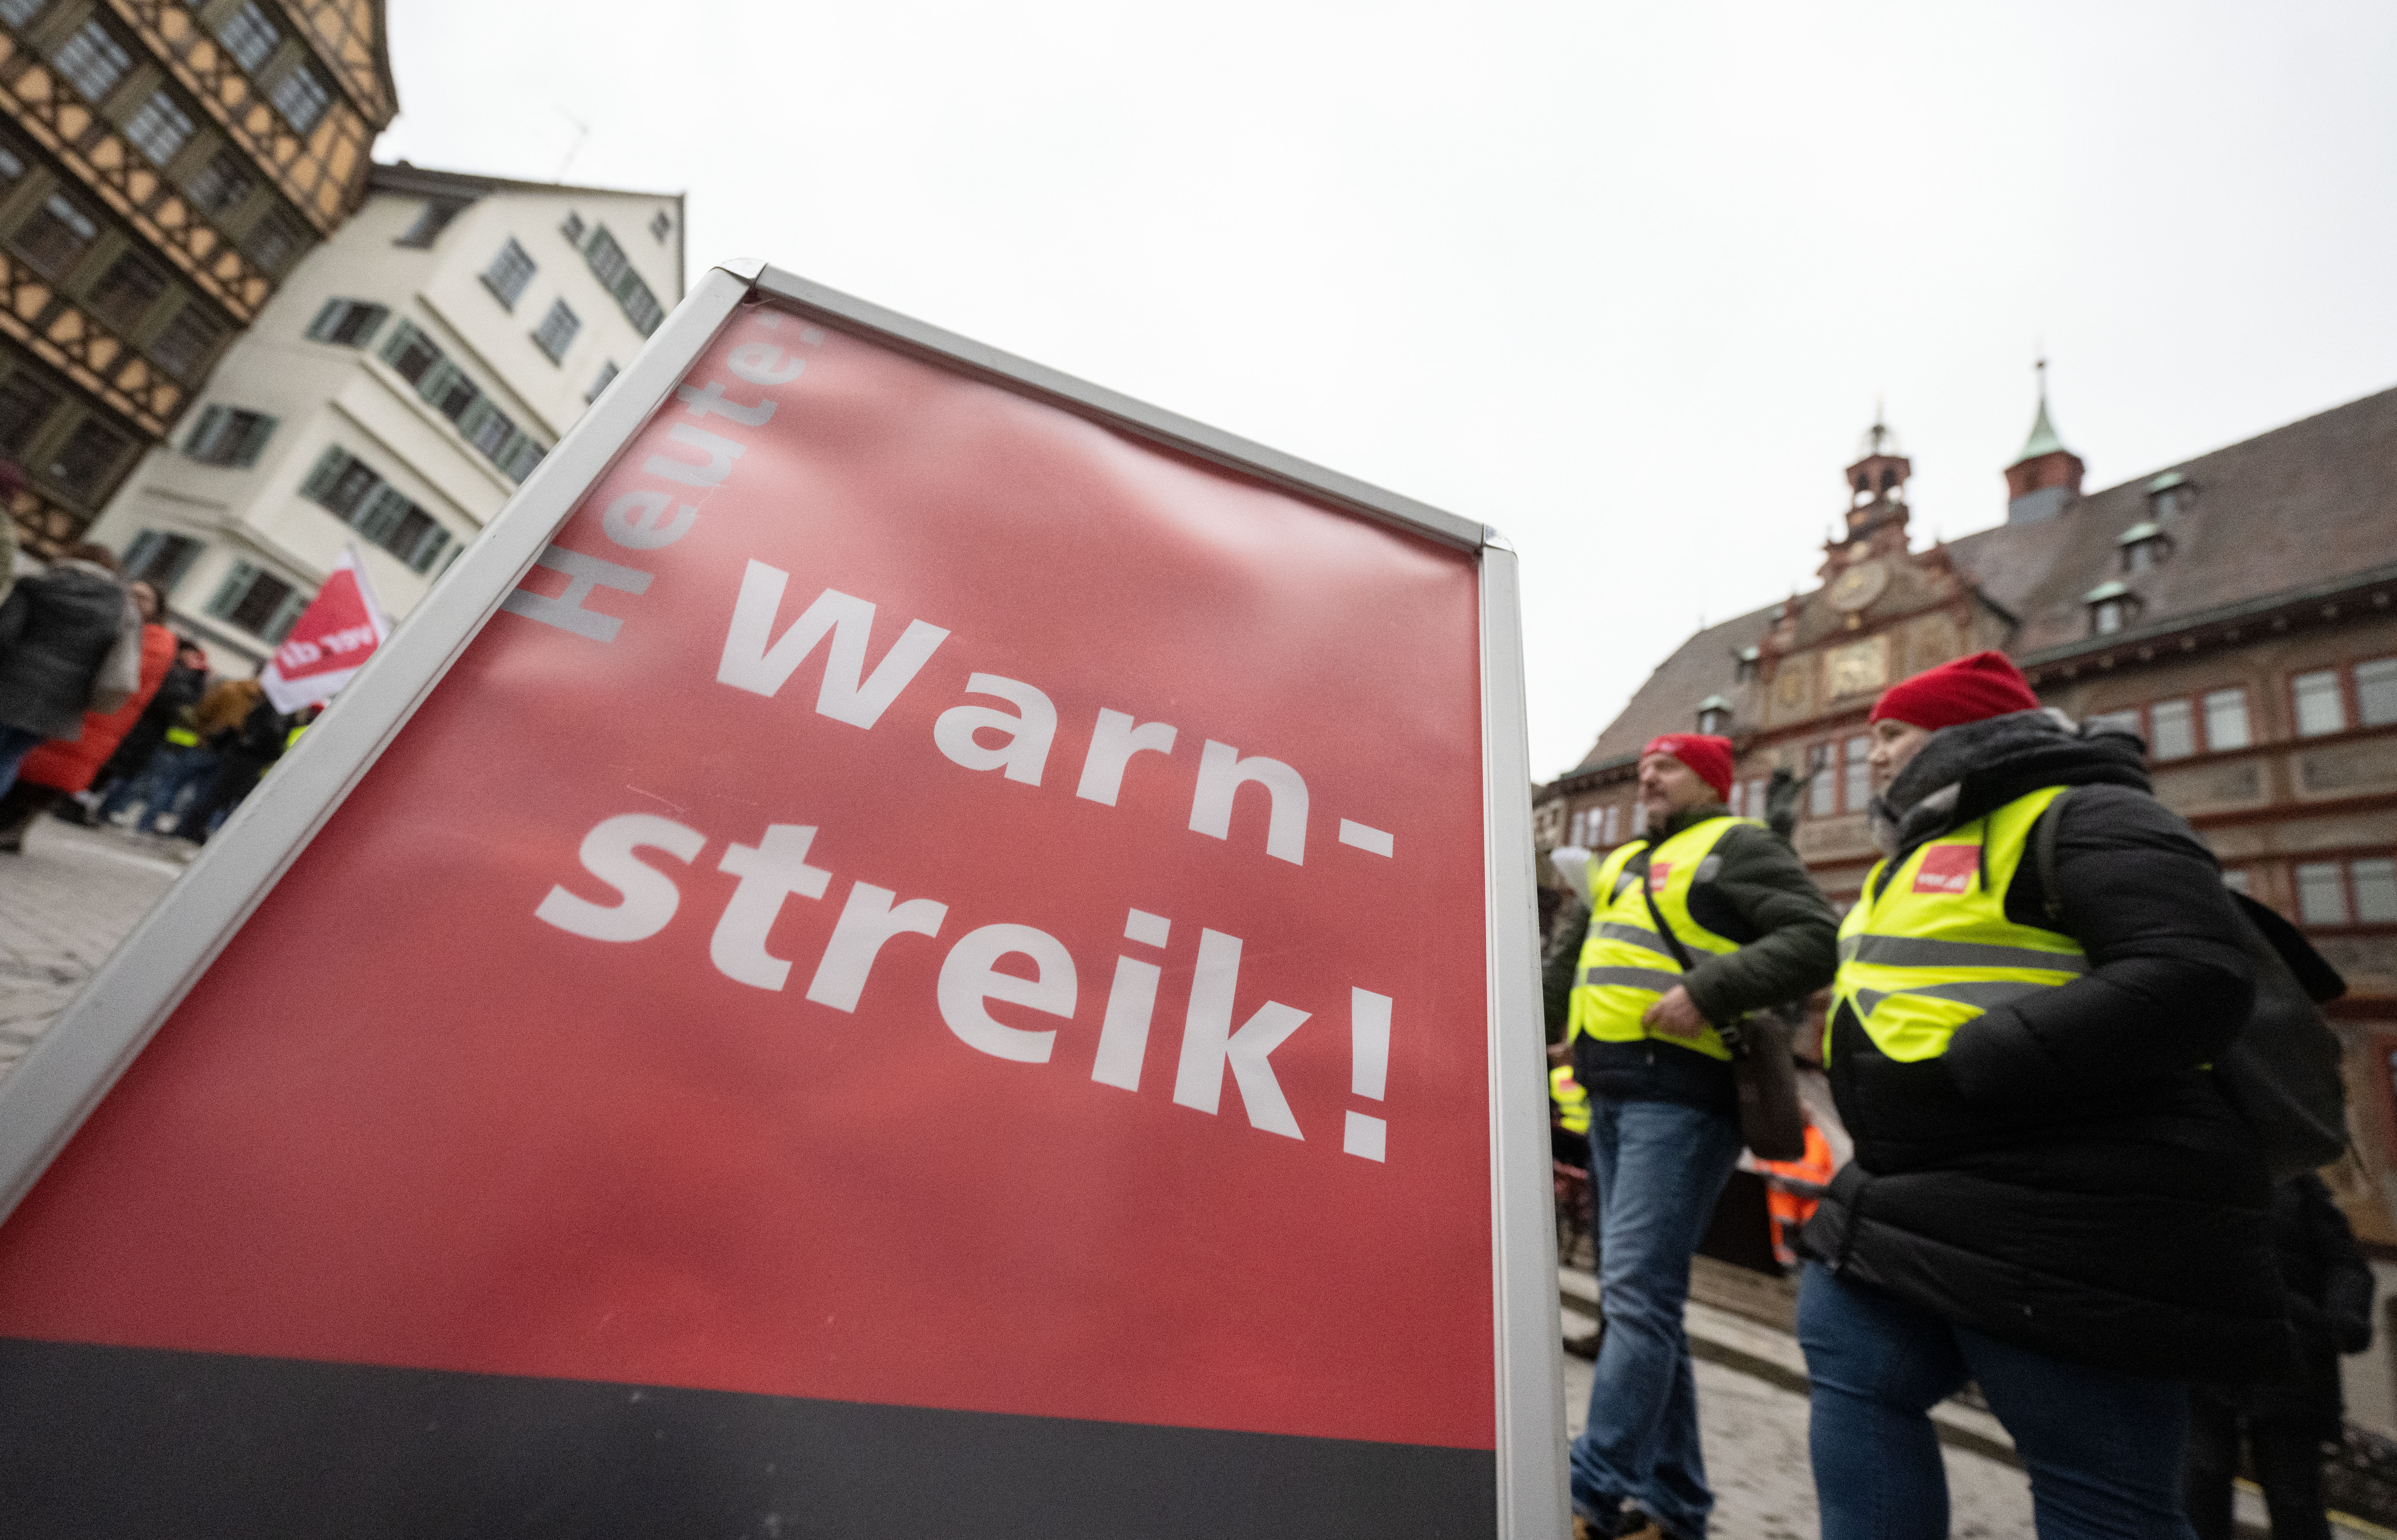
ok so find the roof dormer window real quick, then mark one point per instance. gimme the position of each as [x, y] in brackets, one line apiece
[1714, 715]
[2144, 547]
[2169, 494]
[1745, 664]
[2112, 607]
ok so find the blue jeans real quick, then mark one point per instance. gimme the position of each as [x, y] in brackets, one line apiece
[1656, 1169]
[2103, 1448]
[191, 768]
[15, 744]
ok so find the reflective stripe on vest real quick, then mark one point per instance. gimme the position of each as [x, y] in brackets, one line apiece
[1625, 966]
[1928, 948]
[182, 738]
[1573, 1103]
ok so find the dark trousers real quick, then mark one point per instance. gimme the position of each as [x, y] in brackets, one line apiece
[2288, 1467]
[236, 777]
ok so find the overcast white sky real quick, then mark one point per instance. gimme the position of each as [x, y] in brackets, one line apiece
[1624, 280]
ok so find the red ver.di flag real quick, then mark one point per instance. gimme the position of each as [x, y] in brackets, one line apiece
[330, 641]
[920, 964]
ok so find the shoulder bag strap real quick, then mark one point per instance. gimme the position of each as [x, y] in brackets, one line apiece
[2043, 848]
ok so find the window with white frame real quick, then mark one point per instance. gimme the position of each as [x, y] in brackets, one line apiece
[2226, 720]
[159, 127]
[302, 97]
[1822, 781]
[248, 35]
[93, 60]
[2376, 692]
[1639, 817]
[2172, 730]
[2237, 880]
[2321, 706]
[1577, 831]
[2361, 891]
[1859, 773]
[1612, 823]
[508, 273]
[2114, 721]
[556, 333]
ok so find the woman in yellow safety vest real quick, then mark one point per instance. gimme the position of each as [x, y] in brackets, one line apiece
[2050, 1196]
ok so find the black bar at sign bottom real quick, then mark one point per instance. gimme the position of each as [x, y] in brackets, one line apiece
[115, 1441]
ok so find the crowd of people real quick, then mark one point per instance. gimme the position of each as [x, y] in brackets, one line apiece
[103, 708]
[2050, 1196]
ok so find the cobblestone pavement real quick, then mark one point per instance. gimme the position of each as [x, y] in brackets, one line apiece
[1755, 1439]
[65, 902]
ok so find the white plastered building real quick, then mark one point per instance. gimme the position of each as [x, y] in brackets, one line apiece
[410, 373]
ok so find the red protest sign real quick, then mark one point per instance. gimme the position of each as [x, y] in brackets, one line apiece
[918, 901]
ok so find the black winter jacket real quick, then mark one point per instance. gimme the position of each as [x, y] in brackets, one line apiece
[2068, 1177]
[2329, 1293]
[56, 630]
[1760, 896]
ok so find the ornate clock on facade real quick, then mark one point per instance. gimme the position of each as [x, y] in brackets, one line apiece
[1857, 586]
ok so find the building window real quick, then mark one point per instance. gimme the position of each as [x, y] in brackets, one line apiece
[188, 345]
[125, 292]
[615, 270]
[1639, 817]
[220, 183]
[2172, 730]
[228, 435]
[2112, 606]
[257, 601]
[88, 461]
[1612, 824]
[92, 61]
[572, 229]
[1714, 715]
[2144, 547]
[18, 12]
[54, 235]
[2226, 720]
[2321, 708]
[1578, 830]
[1759, 802]
[1822, 781]
[351, 323]
[1859, 773]
[431, 220]
[508, 273]
[249, 37]
[2374, 883]
[556, 331]
[274, 241]
[25, 404]
[160, 128]
[445, 388]
[12, 165]
[347, 487]
[301, 97]
[159, 559]
[662, 225]
[2114, 721]
[2376, 692]
[2321, 895]
[2170, 495]
[2237, 879]
[608, 372]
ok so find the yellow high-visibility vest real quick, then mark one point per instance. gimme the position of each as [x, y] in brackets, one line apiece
[1573, 1103]
[1928, 948]
[1625, 966]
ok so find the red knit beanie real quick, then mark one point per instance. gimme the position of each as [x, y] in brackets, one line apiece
[1969, 690]
[1709, 757]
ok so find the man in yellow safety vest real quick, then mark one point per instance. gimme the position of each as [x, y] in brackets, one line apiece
[1663, 1128]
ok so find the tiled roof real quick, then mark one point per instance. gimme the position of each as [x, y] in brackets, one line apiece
[2296, 508]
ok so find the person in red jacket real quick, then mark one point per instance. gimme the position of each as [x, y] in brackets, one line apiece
[60, 768]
